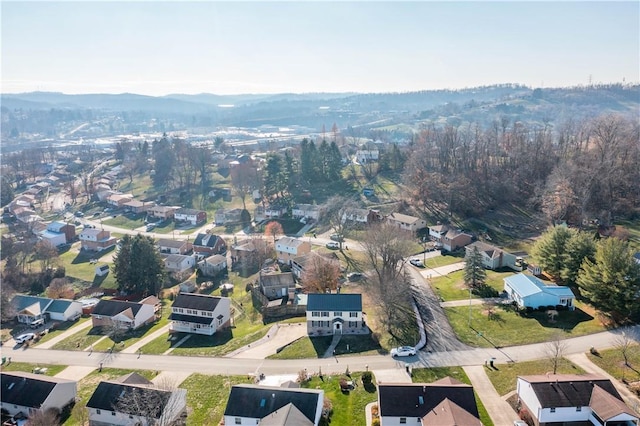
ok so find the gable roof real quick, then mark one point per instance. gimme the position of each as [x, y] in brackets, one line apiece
[404, 218]
[110, 308]
[290, 242]
[189, 212]
[492, 252]
[527, 285]
[22, 301]
[116, 396]
[163, 242]
[418, 399]
[201, 302]
[177, 258]
[289, 415]
[26, 389]
[59, 305]
[258, 402]
[568, 390]
[216, 259]
[607, 406]
[334, 302]
[206, 240]
[448, 413]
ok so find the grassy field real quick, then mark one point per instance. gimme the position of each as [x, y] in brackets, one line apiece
[451, 287]
[443, 260]
[77, 265]
[429, 375]
[79, 341]
[207, 397]
[88, 384]
[124, 222]
[612, 362]
[505, 327]
[305, 347]
[504, 378]
[348, 407]
[222, 342]
[52, 369]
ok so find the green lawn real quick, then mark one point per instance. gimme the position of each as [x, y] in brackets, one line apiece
[134, 336]
[77, 265]
[61, 328]
[52, 369]
[506, 327]
[451, 287]
[612, 362]
[429, 375]
[207, 397]
[305, 347]
[348, 408]
[443, 260]
[122, 221]
[79, 341]
[222, 342]
[87, 385]
[504, 378]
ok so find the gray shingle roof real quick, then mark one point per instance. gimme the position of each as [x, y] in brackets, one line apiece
[259, 401]
[201, 302]
[26, 389]
[109, 308]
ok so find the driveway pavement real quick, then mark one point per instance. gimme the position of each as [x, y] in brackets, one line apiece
[140, 343]
[75, 372]
[284, 334]
[441, 270]
[499, 410]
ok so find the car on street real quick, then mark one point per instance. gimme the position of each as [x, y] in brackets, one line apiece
[336, 237]
[332, 245]
[416, 262]
[403, 351]
[354, 276]
[151, 227]
[79, 214]
[25, 337]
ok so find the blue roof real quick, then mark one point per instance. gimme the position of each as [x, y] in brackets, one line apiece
[526, 285]
[59, 305]
[334, 302]
[22, 301]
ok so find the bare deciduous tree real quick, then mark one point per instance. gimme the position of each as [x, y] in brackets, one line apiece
[46, 417]
[60, 289]
[555, 350]
[158, 404]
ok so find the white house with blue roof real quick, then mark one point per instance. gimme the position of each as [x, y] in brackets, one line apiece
[529, 291]
[31, 308]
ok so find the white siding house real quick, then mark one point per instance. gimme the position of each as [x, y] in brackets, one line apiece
[199, 314]
[27, 393]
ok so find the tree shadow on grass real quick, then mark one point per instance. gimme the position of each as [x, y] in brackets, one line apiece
[220, 338]
[566, 320]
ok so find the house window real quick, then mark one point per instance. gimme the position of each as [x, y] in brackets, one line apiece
[130, 416]
[113, 413]
[315, 314]
[238, 421]
[97, 411]
[578, 408]
[403, 420]
[337, 314]
[220, 321]
[552, 409]
[353, 315]
[325, 314]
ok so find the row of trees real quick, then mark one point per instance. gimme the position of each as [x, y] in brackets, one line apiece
[602, 270]
[575, 171]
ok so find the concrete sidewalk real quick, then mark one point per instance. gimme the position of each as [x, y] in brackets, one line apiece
[467, 302]
[499, 410]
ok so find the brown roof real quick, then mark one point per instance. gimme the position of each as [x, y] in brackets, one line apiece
[448, 413]
[607, 406]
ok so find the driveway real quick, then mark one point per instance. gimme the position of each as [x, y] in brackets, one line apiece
[285, 334]
[499, 410]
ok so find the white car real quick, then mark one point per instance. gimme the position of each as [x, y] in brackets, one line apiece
[403, 351]
[416, 262]
[333, 245]
[25, 337]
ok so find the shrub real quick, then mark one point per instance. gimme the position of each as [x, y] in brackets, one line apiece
[367, 377]
[248, 287]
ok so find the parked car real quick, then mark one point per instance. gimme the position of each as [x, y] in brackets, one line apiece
[336, 237]
[354, 276]
[79, 214]
[403, 351]
[333, 245]
[151, 227]
[25, 337]
[416, 262]
[36, 323]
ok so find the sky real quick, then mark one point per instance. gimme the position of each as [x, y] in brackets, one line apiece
[161, 47]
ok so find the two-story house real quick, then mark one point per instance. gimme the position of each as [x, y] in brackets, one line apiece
[287, 248]
[228, 217]
[267, 405]
[573, 399]
[361, 216]
[454, 239]
[137, 206]
[179, 262]
[118, 200]
[162, 212]
[59, 233]
[28, 393]
[134, 400]
[444, 402]
[307, 211]
[335, 313]
[406, 222]
[190, 216]
[199, 313]
[269, 212]
[213, 265]
[92, 239]
[206, 245]
[174, 246]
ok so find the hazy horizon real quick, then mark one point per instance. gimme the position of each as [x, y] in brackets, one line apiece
[161, 48]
